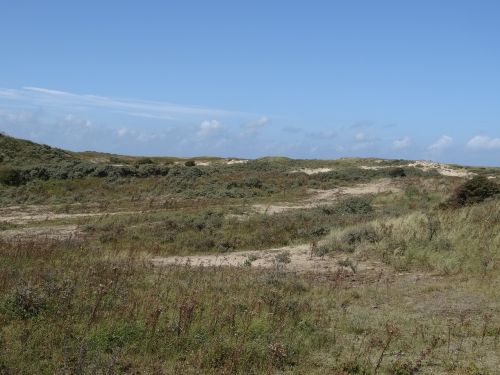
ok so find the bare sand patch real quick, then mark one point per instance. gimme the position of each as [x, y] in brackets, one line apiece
[231, 162]
[311, 171]
[323, 197]
[29, 214]
[298, 259]
[55, 232]
[426, 165]
[443, 169]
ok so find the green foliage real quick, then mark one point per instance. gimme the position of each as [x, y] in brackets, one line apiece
[21, 153]
[359, 234]
[350, 206]
[397, 172]
[144, 161]
[25, 302]
[10, 176]
[475, 190]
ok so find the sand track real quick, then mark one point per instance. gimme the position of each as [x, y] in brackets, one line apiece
[54, 232]
[300, 261]
[324, 197]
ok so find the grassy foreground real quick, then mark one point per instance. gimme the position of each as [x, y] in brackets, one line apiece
[93, 303]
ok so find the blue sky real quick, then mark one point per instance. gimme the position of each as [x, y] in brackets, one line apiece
[308, 79]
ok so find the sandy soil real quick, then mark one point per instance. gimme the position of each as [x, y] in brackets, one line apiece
[230, 162]
[300, 261]
[443, 169]
[312, 170]
[323, 197]
[426, 165]
[55, 232]
[28, 214]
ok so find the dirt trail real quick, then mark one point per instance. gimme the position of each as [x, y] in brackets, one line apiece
[55, 232]
[425, 165]
[29, 214]
[323, 197]
[300, 261]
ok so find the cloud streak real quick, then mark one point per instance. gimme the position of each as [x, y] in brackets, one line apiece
[441, 144]
[44, 97]
[482, 143]
[401, 143]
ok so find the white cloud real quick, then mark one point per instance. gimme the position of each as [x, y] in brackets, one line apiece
[122, 132]
[259, 123]
[363, 141]
[401, 143]
[363, 137]
[441, 144]
[481, 142]
[73, 120]
[208, 127]
[63, 100]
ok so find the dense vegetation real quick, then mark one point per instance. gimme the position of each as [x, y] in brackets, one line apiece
[415, 291]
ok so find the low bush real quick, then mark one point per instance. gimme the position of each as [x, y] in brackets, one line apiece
[11, 177]
[359, 234]
[475, 190]
[397, 172]
[350, 206]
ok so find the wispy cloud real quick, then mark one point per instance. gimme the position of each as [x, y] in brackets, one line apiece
[481, 142]
[209, 127]
[401, 143]
[364, 140]
[323, 134]
[443, 143]
[65, 100]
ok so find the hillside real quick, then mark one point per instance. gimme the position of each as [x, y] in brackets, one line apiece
[21, 153]
[116, 264]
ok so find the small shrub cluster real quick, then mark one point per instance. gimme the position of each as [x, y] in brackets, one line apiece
[359, 234]
[350, 206]
[475, 190]
[11, 177]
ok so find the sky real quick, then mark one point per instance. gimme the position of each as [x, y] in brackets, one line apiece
[304, 79]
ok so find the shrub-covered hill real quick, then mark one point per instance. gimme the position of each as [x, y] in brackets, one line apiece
[20, 153]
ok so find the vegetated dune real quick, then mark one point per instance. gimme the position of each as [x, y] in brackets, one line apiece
[366, 266]
[322, 197]
[295, 259]
[53, 232]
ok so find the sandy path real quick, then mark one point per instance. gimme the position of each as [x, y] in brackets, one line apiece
[55, 232]
[324, 197]
[299, 261]
[425, 165]
[28, 214]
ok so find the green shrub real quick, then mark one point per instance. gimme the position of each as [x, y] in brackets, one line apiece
[25, 302]
[144, 161]
[397, 172]
[350, 206]
[475, 190]
[11, 177]
[190, 163]
[360, 234]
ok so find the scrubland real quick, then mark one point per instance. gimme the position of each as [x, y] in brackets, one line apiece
[99, 270]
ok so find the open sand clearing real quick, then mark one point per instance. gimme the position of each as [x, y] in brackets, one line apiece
[425, 165]
[443, 169]
[298, 259]
[323, 197]
[28, 214]
[311, 171]
[55, 232]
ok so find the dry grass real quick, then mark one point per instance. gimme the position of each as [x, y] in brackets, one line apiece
[97, 304]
